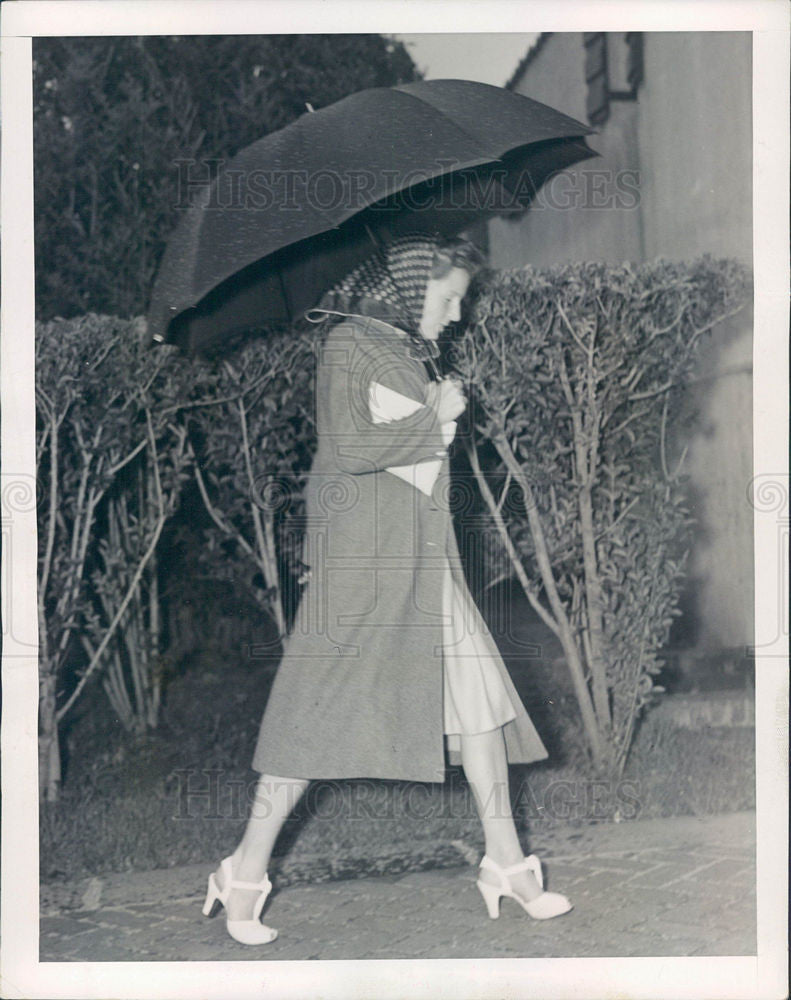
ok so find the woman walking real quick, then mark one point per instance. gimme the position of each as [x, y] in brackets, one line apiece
[389, 661]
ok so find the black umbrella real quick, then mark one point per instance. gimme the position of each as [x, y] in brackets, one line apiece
[294, 211]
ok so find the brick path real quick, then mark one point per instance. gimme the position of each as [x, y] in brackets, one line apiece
[678, 886]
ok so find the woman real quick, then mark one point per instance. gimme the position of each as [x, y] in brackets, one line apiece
[389, 654]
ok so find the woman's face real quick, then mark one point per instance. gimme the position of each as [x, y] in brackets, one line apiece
[442, 304]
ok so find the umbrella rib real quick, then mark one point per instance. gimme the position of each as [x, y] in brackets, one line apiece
[461, 128]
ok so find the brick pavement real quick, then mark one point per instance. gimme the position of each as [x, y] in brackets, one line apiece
[678, 886]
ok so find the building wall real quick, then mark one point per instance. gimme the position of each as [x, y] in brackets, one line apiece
[695, 129]
[588, 212]
[674, 180]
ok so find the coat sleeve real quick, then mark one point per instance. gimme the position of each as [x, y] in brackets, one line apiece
[344, 417]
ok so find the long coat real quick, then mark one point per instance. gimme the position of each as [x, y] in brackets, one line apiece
[359, 689]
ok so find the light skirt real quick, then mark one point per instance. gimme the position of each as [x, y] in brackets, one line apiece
[475, 698]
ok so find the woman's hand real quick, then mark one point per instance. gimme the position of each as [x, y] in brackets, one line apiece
[447, 399]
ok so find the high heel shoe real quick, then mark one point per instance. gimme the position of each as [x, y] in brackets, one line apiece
[244, 931]
[548, 904]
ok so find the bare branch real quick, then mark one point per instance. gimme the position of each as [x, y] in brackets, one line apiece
[516, 562]
[214, 514]
[508, 478]
[582, 346]
[95, 660]
[125, 461]
[618, 519]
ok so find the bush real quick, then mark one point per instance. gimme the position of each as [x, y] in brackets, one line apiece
[575, 375]
[110, 467]
[122, 429]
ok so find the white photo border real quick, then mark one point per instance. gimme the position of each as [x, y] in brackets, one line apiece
[727, 977]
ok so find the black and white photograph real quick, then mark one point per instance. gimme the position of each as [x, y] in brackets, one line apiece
[395, 499]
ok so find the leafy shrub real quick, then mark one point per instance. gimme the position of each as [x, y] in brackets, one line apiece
[575, 375]
[111, 463]
[254, 441]
[122, 429]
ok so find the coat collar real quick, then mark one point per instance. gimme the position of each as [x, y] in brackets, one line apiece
[372, 324]
[415, 348]
[421, 354]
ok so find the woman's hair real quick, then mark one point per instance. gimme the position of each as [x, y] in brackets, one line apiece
[456, 252]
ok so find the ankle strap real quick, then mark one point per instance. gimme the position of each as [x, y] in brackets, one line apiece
[520, 866]
[487, 862]
[259, 886]
[232, 883]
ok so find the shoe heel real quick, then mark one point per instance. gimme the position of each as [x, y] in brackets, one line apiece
[491, 896]
[212, 904]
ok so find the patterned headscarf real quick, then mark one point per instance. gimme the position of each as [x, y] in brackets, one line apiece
[390, 285]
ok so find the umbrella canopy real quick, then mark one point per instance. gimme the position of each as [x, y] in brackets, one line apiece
[294, 211]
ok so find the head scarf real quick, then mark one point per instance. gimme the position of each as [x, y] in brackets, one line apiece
[390, 285]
